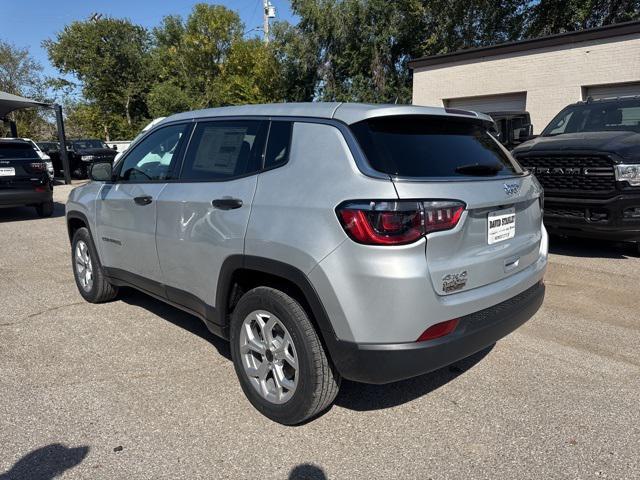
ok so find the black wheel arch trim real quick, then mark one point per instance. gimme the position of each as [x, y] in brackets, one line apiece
[287, 272]
[276, 268]
[74, 214]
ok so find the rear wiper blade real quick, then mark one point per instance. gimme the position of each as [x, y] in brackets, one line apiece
[479, 169]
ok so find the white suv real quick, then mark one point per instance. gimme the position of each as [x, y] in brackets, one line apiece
[325, 241]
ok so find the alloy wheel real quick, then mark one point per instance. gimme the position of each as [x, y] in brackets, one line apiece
[84, 266]
[269, 356]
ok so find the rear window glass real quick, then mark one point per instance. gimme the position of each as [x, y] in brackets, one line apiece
[410, 146]
[17, 151]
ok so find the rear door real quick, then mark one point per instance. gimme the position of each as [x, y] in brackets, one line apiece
[126, 210]
[445, 158]
[202, 219]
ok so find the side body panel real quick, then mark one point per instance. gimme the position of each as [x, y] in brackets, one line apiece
[194, 238]
[293, 219]
[126, 230]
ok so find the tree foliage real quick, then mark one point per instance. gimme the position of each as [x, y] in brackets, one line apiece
[21, 75]
[344, 50]
[556, 16]
[110, 58]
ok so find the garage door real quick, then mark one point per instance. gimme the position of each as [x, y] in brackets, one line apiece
[609, 91]
[507, 102]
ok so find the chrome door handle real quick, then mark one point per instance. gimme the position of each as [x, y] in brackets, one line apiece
[226, 203]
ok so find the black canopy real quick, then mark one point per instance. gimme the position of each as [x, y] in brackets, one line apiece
[10, 102]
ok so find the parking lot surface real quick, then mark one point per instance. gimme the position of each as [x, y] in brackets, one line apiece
[138, 389]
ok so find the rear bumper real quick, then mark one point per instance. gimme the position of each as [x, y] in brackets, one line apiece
[593, 218]
[26, 196]
[385, 363]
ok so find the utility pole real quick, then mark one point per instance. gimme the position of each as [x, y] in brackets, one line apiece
[269, 12]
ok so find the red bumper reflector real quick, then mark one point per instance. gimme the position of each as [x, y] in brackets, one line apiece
[41, 189]
[438, 330]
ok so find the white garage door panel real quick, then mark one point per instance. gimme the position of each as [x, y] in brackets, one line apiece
[491, 103]
[609, 91]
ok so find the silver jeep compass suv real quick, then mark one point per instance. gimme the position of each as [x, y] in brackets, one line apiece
[325, 241]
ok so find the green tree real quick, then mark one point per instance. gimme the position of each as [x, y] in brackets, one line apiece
[21, 75]
[204, 61]
[556, 16]
[110, 57]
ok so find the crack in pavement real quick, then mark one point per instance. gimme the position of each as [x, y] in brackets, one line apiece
[46, 310]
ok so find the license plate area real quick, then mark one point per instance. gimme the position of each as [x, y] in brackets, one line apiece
[501, 225]
[7, 172]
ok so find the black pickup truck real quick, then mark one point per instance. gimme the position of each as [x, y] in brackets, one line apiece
[588, 161]
[81, 154]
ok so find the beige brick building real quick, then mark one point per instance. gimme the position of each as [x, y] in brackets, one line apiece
[540, 76]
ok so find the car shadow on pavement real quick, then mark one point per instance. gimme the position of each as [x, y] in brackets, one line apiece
[591, 248]
[353, 395]
[28, 213]
[46, 463]
[176, 316]
[362, 397]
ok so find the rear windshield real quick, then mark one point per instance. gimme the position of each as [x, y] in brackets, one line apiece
[17, 151]
[623, 115]
[410, 146]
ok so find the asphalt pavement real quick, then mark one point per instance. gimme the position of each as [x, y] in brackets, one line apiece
[135, 389]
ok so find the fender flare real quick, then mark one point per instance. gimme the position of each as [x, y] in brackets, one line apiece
[286, 272]
[74, 214]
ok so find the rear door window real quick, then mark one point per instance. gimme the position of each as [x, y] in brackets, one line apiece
[424, 146]
[224, 150]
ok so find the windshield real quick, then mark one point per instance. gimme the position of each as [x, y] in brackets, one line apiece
[623, 115]
[84, 144]
[48, 146]
[422, 146]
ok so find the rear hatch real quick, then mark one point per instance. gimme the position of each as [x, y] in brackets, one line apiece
[435, 158]
[20, 165]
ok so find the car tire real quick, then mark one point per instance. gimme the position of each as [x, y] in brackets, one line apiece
[44, 209]
[87, 270]
[294, 340]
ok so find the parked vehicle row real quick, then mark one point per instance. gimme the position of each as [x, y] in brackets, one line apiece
[81, 154]
[324, 241]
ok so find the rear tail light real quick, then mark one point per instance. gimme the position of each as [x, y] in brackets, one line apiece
[438, 330]
[36, 167]
[397, 222]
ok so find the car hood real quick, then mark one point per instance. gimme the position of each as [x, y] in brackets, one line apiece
[623, 144]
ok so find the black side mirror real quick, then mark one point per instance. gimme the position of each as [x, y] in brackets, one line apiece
[101, 172]
[115, 147]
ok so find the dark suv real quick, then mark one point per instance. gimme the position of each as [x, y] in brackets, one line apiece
[588, 161]
[81, 154]
[23, 177]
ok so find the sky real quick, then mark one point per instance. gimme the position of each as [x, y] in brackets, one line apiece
[26, 23]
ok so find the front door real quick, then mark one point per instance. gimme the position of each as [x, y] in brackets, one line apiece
[127, 209]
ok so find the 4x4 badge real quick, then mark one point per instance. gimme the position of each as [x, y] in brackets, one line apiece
[454, 281]
[511, 189]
